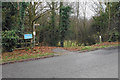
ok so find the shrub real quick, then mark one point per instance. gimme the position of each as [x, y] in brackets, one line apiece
[9, 40]
[90, 40]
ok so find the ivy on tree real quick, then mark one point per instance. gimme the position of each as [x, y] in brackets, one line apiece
[65, 14]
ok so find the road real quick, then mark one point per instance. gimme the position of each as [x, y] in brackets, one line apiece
[101, 63]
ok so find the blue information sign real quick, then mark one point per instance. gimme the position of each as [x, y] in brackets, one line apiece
[27, 36]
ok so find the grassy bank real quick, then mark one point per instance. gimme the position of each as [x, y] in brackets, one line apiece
[92, 47]
[19, 55]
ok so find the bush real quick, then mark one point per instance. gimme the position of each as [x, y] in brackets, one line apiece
[90, 40]
[9, 40]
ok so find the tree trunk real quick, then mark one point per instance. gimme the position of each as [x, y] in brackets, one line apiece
[60, 23]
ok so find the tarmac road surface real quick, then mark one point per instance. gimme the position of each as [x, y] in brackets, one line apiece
[101, 63]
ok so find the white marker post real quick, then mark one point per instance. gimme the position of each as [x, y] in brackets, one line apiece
[100, 39]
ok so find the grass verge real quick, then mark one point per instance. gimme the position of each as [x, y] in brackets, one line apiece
[93, 47]
[19, 55]
[24, 57]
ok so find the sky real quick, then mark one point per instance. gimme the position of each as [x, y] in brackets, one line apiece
[89, 8]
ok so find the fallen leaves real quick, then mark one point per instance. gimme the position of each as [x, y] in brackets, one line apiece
[27, 53]
[46, 51]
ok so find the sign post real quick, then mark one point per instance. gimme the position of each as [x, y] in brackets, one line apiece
[34, 33]
[26, 37]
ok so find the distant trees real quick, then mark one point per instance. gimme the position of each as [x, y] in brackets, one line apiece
[53, 24]
[114, 22]
[106, 24]
[99, 25]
